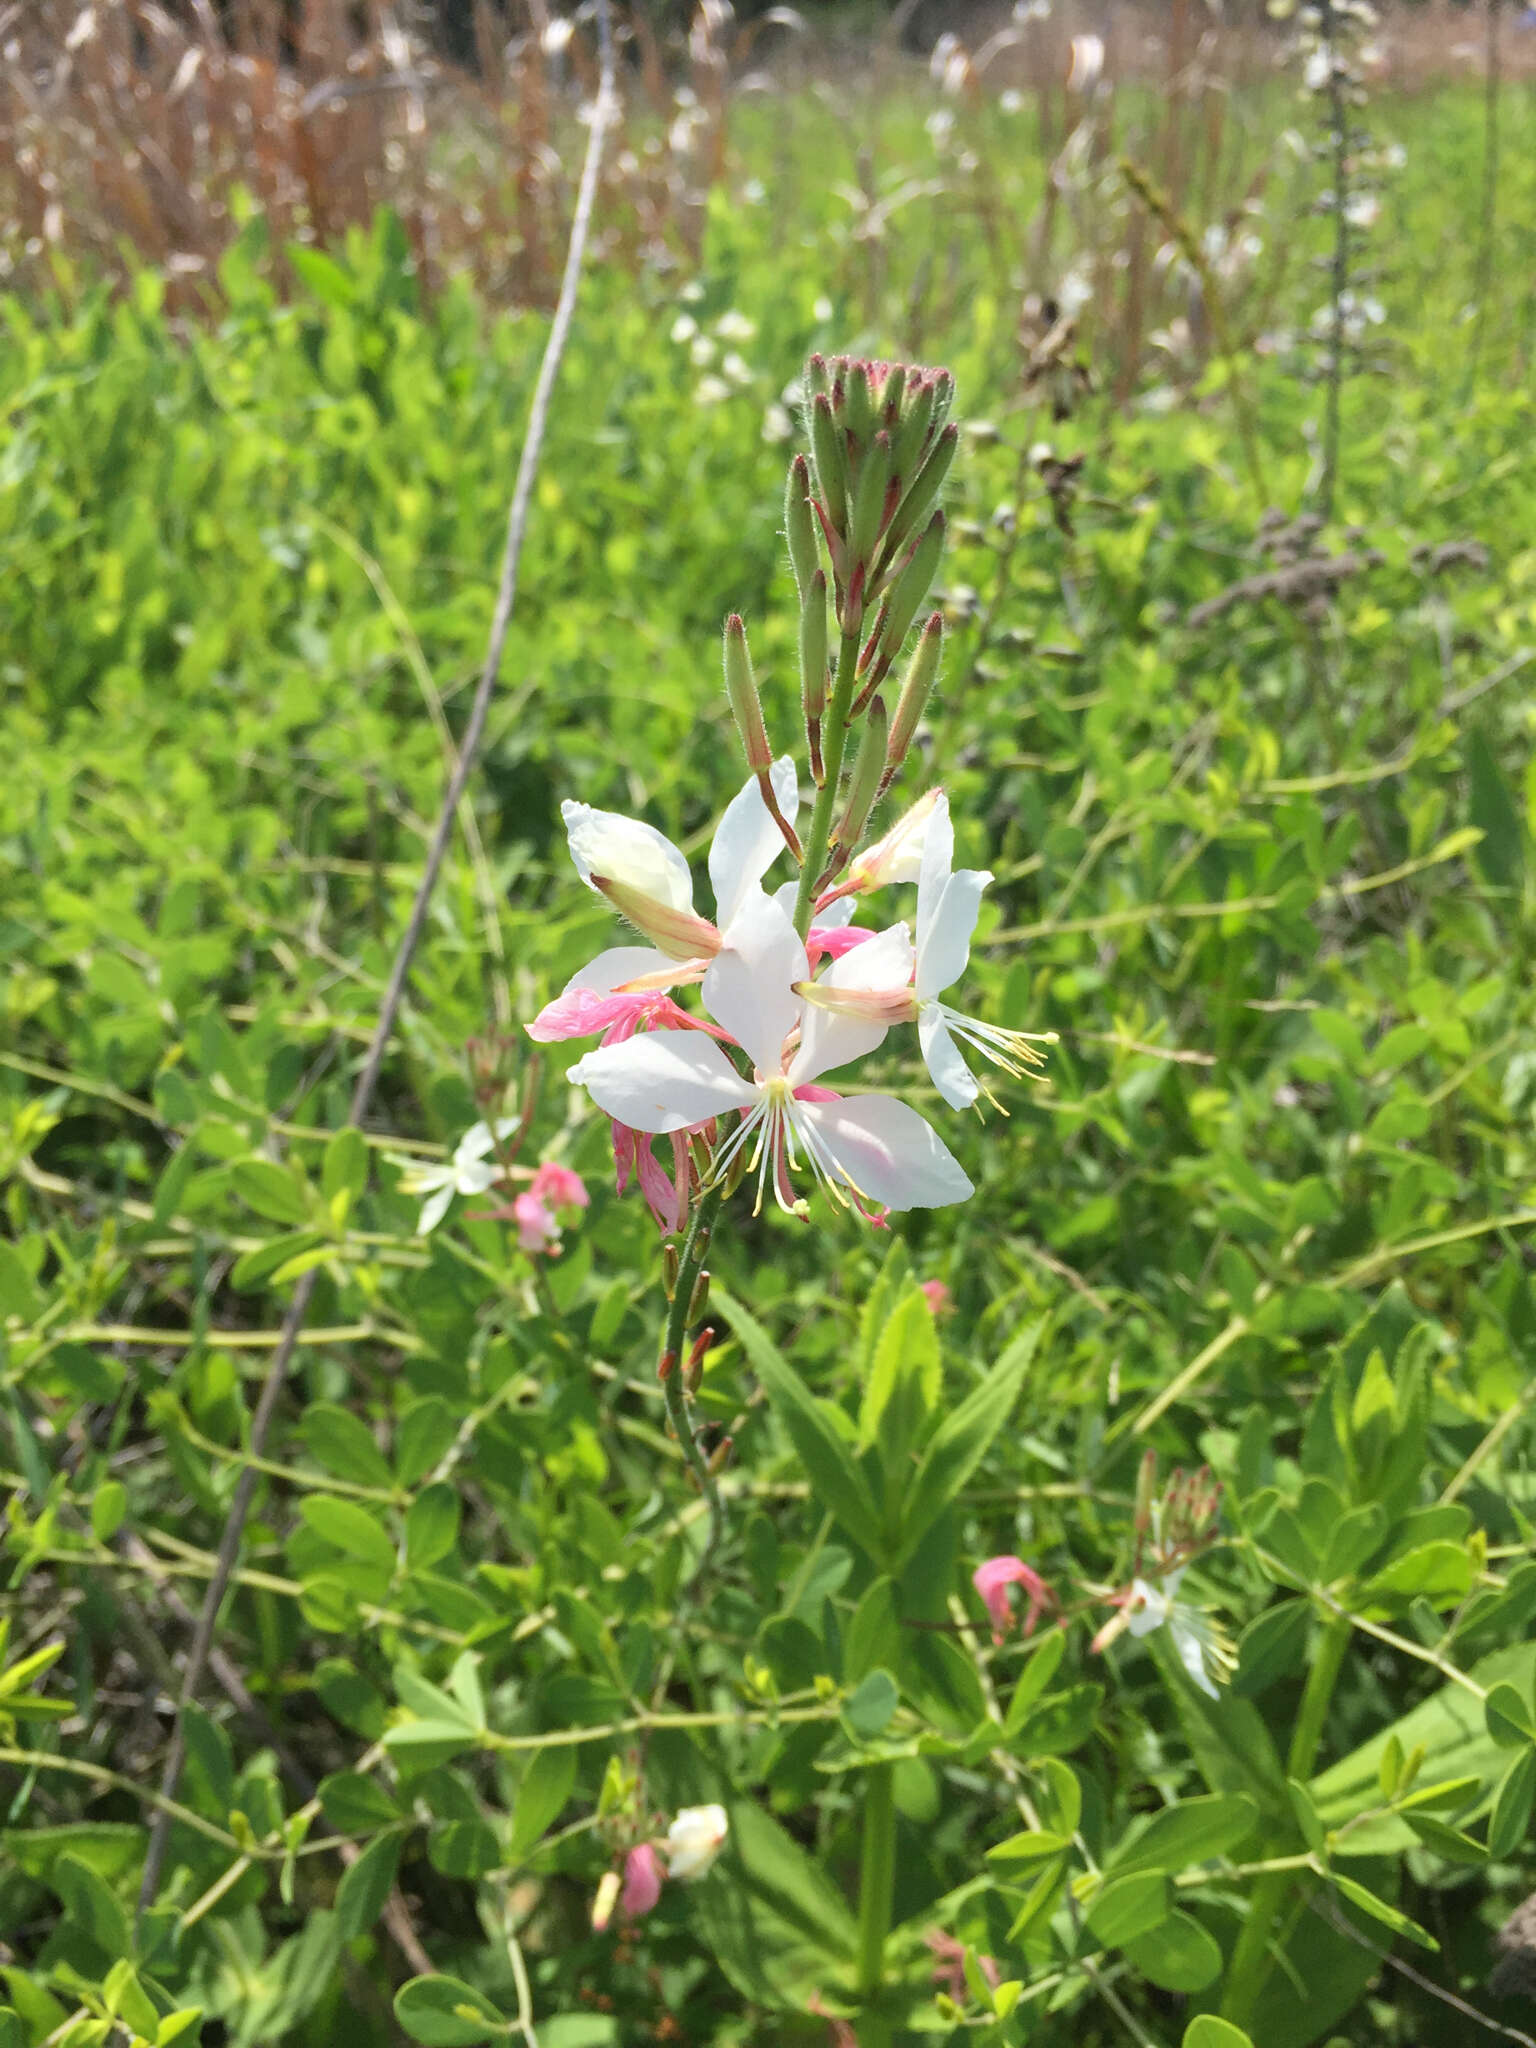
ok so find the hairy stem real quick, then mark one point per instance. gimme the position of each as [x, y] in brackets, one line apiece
[835, 731]
[689, 1266]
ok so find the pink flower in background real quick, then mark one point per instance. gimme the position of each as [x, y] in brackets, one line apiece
[992, 1581]
[537, 1230]
[557, 1187]
[938, 1297]
[642, 1881]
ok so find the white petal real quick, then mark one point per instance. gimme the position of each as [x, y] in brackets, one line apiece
[604, 843]
[938, 857]
[1148, 1608]
[946, 1063]
[749, 987]
[831, 1038]
[747, 840]
[663, 1080]
[474, 1179]
[886, 1150]
[836, 915]
[1187, 1643]
[434, 1209]
[941, 957]
[619, 964]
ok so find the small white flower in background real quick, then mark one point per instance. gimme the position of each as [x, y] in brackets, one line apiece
[711, 390]
[736, 368]
[701, 351]
[777, 424]
[1317, 70]
[822, 309]
[695, 1839]
[734, 326]
[1087, 66]
[470, 1171]
[1197, 1639]
[940, 125]
[1363, 210]
[1011, 101]
[684, 328]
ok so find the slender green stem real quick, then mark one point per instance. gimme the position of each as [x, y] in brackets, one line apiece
[877, 1891]
[834, 740]
[1251, 1958]
[689, 1266]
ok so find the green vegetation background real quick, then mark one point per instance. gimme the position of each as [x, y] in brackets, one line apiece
[249, 578]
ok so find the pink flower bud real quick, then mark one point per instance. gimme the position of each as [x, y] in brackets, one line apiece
[938, 1297]
[992, 1580]
[537, 1230]
[557, 1187]
[642, 1881]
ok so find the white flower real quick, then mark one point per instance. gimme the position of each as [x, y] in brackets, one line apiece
[777, 424]
[734, 326]
[898, 857]
[684, 328]
[648, 880]
[695, 1839]
[701, 351]
[470, 1171]
[1197, 1641]
[871, 1148]
[736, 368]
[1318, 69]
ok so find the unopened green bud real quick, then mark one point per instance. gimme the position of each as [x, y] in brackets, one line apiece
[818, 378]
[741, 688]
[800, 523]
[813, 666]
[831, 462]
[858, 406]
[916, 687]
[698, 1301]
[866, 777]
[923, 493]
[913, 582]
[911, 436]
[869, 501]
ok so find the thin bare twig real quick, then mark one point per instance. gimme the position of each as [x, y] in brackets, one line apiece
[293, 1323]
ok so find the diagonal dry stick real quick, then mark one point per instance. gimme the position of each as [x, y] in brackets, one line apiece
[603, 114]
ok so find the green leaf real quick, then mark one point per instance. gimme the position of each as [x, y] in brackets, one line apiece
[355, 1804]
[904, 1383]
[1508, 1716]
[109, 1509]
[962, 1440]
[276, 1192]
[350, 1528]
[426, 1432]
[345, 1170]
[1125, 1907]
[869, 1710]
[1210, 2032]
[1181, 1836]
[1179, 1956]
[1451, 1843]
[873, 1637]
[91, 1905]
[1500, 853]
[1039, 1669]
[464, 1848]
[1378, 1909]
[836, 1480]
[445, 2012]
[344, 1445]
[1511, 1816]
[366, 1884]
[432, 1525]
[547, 1785]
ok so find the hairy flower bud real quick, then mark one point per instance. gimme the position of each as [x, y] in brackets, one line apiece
[895, 858]
[741, 689]
[828, 447]
[923, 493]
[916, 686]
[913, 582]
[866, 776]
[869, 508]
[800, 524]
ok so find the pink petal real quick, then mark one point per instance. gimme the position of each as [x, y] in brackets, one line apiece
[992, 1580]
[558, 1187]
[642, 1881]
[834, 941]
